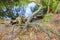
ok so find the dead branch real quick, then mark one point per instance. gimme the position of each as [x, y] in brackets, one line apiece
[29, 19]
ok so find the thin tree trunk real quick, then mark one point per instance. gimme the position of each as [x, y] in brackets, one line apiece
[48, 10]
[57, 8]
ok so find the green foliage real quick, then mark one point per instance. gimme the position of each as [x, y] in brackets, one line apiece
[46, 18]
[52, 3]
[12, 2]
[26, 1]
